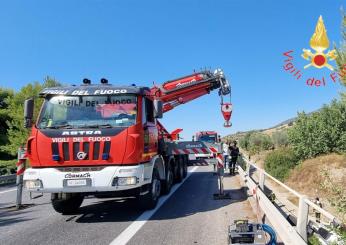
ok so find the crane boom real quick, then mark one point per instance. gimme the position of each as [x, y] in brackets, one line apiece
[182, 90]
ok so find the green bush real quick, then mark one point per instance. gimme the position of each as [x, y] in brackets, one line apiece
[255, 142]
[280, 138]
[259, 142]
[7, 166]
[321, 132]
[244, 141]
[313, 240]
[278, 163]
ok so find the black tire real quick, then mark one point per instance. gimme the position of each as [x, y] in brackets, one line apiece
[66, 203]
[180, 171]
[168, 182]
[150, 198]
[186, 159]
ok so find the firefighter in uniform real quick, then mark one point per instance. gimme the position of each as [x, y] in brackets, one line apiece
[234, 152]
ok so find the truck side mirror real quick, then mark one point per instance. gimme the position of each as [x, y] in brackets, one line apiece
[28, 112]
[158, 109]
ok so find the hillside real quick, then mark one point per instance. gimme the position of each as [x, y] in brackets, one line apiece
[269, 131]
[323, 176]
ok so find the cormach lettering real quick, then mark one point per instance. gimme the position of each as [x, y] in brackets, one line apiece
[193, 146]
[77, 175]
[184, 84]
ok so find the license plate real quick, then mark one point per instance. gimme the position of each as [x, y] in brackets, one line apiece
[76, 182]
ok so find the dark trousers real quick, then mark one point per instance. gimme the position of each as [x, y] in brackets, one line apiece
[232, 164]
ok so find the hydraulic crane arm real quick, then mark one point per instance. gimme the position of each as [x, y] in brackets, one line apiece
[185, 89]
[182, 90]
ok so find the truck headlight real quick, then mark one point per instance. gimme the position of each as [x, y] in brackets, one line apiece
[33, 184]
[123, 181]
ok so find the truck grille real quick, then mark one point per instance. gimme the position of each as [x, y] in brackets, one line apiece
[68, 150]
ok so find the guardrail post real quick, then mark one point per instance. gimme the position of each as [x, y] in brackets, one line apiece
[261, 179]
[248, 166]
[302, 219]
[20, 171]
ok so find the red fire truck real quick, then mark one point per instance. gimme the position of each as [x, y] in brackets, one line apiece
[106, 141]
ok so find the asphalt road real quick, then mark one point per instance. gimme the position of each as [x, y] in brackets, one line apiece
[190, 215]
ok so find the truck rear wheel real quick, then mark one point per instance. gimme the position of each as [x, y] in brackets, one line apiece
[185, 161]
[168, 182]
[66, 203]
[180, 170]
[151, 197]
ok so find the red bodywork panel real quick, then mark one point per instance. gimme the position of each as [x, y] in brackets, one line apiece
[125, 148]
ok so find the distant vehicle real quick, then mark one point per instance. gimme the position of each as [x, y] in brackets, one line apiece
[212, 140]
[207, 136]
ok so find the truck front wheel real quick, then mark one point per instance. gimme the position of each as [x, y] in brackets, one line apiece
[151, 197]
[66, 203]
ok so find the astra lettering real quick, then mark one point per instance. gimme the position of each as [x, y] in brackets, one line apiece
[88, 132]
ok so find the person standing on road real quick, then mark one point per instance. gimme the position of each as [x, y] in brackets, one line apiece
[225, 152]
[234, 151]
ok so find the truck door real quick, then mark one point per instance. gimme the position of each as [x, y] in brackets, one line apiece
[150, 129]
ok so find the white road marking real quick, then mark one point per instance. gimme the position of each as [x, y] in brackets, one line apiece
[136, 225]
[8, 191]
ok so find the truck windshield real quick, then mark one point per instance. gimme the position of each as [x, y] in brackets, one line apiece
[210, 138]
[88, 111]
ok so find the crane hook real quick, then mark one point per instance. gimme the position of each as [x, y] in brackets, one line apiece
[226, 109]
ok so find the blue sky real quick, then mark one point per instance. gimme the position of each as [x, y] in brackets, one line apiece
[145, 41]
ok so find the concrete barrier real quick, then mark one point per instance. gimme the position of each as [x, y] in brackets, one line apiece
[7, 179]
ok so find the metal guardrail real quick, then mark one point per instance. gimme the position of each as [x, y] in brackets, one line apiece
[7, 179]
[306, 200]
[284, 229]
[279, 221]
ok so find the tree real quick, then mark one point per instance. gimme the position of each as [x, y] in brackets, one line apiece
[280, 138]
[244, 141]
[16, 133]
[5, 94]
[321, 132]
[259, 142]
[341, 54]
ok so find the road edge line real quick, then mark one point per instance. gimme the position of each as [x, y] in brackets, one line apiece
[1, 192]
